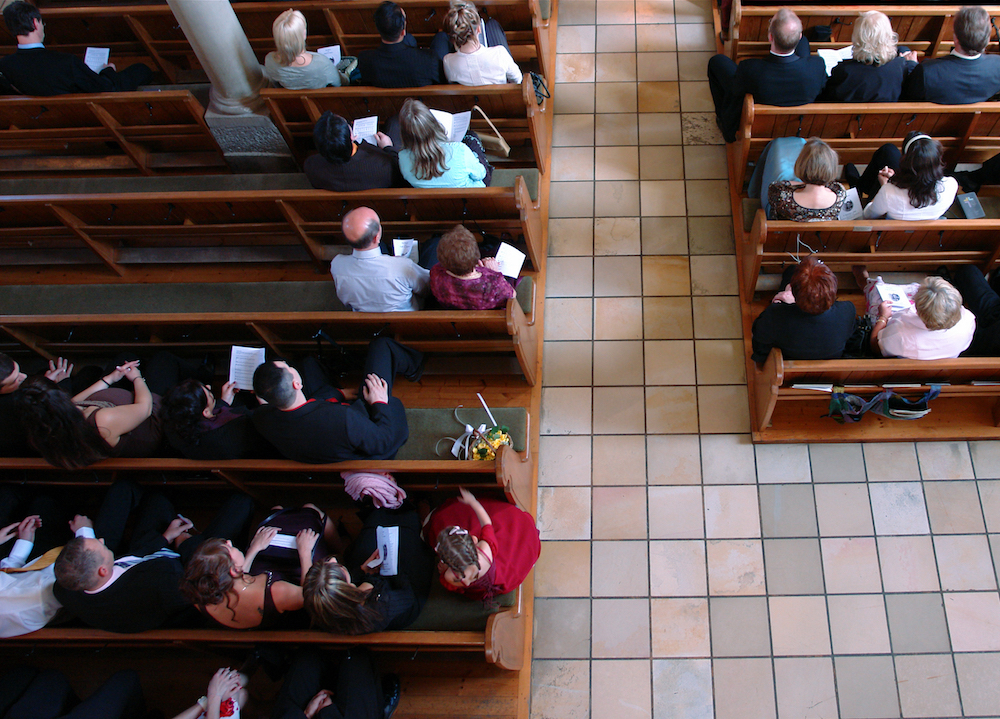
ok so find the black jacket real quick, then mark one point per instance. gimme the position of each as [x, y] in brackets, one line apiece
[399, 65]
[368, 169]
[800, 335]
[40, 71]
[853, 81]
[952, 80]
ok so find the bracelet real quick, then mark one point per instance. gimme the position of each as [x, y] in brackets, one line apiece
[106, 382]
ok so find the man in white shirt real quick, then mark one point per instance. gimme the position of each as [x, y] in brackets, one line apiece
[369, 281]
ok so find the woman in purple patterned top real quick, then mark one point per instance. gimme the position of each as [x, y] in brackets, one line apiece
[462, 280]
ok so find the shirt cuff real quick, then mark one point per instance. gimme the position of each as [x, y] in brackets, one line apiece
[18, 554]
[378, 401]
[87, 532]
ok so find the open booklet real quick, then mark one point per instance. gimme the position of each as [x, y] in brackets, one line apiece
[243, 363]
[896, 294]
[96, 58]
[832, 57]
[365, 129]
[388, 551]
[455, 126]
[511, 260]
[330, 51]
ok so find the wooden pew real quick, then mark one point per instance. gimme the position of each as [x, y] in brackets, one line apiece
[512, 108]
[154, 133]
[233, 235]
[924, 28]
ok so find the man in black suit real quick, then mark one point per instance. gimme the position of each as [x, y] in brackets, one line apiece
[309, 421]
[141, 589]
[34, 70]
[398, 62]
[788, 76]
[966, 75]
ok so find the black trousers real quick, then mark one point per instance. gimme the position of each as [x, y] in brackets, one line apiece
[161, 371]
[26, 693]
[886, 156]
[386, 358]
[18, 502]
[356, 685]
[131, 77]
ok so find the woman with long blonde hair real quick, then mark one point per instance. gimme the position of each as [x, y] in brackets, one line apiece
[429, 160]
[291, 65]
[877, 68]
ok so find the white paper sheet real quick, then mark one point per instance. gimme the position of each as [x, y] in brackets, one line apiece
[403, 247]
[96, 58]
[455, 126]
[895, 294]
[365, 129]
[511, 260]
[832, 58]
[285, 541]
[851, 209]
[330, 51]
[388, 550]
[242, 364]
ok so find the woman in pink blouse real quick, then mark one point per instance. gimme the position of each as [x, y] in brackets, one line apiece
[462, 280]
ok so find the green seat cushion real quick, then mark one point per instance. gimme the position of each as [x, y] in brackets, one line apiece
[504, 177]
[448, 611]
[545, 7]
[427, 426]
[525, 292]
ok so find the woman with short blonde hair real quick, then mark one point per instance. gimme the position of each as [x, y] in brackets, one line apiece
[291, 65]
[873, 39]
[876, 70]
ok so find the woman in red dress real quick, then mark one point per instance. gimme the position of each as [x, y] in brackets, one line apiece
[484, 548]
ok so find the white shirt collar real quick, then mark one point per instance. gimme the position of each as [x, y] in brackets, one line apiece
[966, 57]
[782, 54]
[368, 254]
[30, 46]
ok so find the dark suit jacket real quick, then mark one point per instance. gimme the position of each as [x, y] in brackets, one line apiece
[399, 65]
[853, 81]
[40, 71]
[369, 168]
[953, 80]
[792, 80]
[13, 440]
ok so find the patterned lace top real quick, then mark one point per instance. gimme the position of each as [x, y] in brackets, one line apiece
[784, 207]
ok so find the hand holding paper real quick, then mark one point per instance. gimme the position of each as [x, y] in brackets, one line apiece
[242, 365]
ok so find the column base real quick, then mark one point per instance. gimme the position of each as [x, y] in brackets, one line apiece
[250, 142]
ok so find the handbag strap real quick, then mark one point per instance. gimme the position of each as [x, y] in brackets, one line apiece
[489, 121]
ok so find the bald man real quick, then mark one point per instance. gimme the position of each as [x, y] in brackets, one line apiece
[369, 281]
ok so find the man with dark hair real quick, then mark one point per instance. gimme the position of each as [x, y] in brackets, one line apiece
[966, 75]
[788, 76]
[309, 420]
[344, 164]
[368, 280]
[398, 62]
[13, 440]
[34, 70]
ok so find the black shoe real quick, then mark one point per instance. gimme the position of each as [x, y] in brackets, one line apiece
[419, 371]
[967, 181]
[391, 691]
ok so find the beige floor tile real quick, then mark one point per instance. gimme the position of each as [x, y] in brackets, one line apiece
[692, 65]
[691, 11]
[804, 687]
[696, 97]
[673, 459]
[986, 459]
[927, 686]
[898, 508]
[616, 12]
[866, 687]
[619, 129]
[783, 463]
[563, 570]
[720, 361]
[843, 510]
[566, 410]
[657, 66]
[908, 564]
[571, 199]
[787, 510]
[837, 462]
[571, 236]
[799, 626]
[619, 460]
[728, 459]
[706, 162]
[711, 235]
[665, 276]
[667, 317]
[677, 568]
[573, 131]
[625, 638]
[617, 318]
[576, 67]
[669, 362]
[706, 197]
[653, 12]
[560, 688]
[571, 163]
[655, 38]
[617, 363]
[917, 623]
[954, 508]
[567, 364]
[717, 317]
[699, 128]
[617, 235]
[659, 128]
[739, 627]
[664, 236]
[619, 198]
[659, 97]
[695, 37]
[661, 163]
[619, 569]
[977, 681]
[793, 566]
[989, 494]
[713, 275]
[575, 39]
[891, 461]
[577, 12]
[850, 565]
[562, 628]
[735, 567]
[616, 97]
[731, 512]
[662, 197]
[675, 513]
[617, 276]
[722, 409]
[619, 513]
[615, 39]
[680, 627]
[619, 410]
[620, 689]
[569, 319]
[683, 688]
[964, 563]
[574, 98]
[569, 277]
[973, 621]
[564, 512]
[671, 410]
[564, 460]
[858, 624]
[743, 687]
[945, 460]
[616, 66]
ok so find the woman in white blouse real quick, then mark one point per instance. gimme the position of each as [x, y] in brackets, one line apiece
[473, 63]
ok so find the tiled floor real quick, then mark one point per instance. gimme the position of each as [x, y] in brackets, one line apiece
[686, 573]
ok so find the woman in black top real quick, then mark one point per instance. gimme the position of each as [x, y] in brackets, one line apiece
[876, 70]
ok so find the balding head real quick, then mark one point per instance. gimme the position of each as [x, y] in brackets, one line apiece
[362, 228]
[785, 31]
